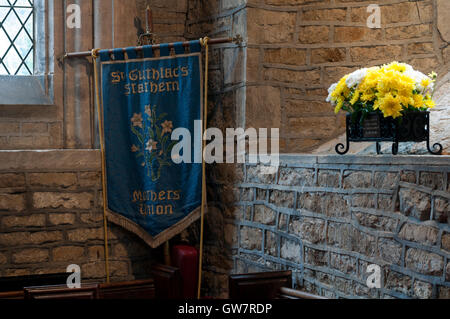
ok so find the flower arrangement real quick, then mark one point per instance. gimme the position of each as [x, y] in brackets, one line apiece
[392, 89]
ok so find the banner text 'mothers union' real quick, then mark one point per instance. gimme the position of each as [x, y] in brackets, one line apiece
[162, 202]
[151, 80]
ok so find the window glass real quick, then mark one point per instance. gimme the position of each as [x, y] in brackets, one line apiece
[16, 37]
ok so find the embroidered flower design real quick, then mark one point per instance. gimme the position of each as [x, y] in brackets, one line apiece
[137, 120]
[135, 149]
[151, 145]
[148, 110]
[167, 127]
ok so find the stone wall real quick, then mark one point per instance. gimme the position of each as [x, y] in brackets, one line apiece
[227, 61]
[226, 108]
[298, 48]
[50, 202]
[328, 217]
[70, 122]
[52, 216]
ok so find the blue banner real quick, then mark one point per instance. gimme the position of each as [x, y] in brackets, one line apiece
[144, 100]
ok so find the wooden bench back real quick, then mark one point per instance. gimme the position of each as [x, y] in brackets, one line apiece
[264, 285]
[138, 289]
[168, 282]
[87, 291]
[17, 283]
[18, 295]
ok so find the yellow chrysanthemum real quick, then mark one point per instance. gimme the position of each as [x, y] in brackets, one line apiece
[340, 103]
[369, 84]
[425, 82]
[390, 106]
[355, 97]
[367, 96]
[418, 101]
[406, 100]
[429, 103]
[341, 89]
[395, 66]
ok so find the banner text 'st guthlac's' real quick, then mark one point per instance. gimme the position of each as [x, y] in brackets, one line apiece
[144, 100]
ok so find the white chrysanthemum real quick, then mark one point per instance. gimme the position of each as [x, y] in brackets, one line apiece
[409, 68]
[416, 75]
[424, 84]
[330, 91]
[419, 78]
[356, 78]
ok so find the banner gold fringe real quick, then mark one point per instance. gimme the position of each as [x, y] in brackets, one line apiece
[160, 238]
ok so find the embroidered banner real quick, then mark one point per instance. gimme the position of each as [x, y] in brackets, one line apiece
[144, 100]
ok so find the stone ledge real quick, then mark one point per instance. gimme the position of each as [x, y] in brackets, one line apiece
[419, 160]
[90, 160]
[50, 160]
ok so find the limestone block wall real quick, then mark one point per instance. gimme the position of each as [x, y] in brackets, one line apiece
[327, 218]
[227, 61]
[51, 216]
[226, 108]
[70, 122]
[298, 48]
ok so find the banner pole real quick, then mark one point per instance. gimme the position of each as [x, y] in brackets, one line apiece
[204, 43]
[237, 39]
[100, 128]
[167, 259]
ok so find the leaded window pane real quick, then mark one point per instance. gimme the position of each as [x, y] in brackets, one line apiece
[16, 37]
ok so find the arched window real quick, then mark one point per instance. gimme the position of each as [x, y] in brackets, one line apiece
[16, 37]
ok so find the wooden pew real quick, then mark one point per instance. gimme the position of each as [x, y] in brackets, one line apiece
[165, 284]
[87, 291]
[13, 287]
[12, 295]
[138, 289]
[265, 285]
[167, 281]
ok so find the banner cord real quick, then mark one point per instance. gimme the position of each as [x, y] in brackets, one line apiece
[100, 128]
[204, 43]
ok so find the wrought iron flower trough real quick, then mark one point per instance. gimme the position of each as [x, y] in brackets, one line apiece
[412, 127]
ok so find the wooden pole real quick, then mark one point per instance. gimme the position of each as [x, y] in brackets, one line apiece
[139, 48]
[167, 259]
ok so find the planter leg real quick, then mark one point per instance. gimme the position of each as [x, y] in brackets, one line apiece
[437, 148]
[395, 148]
[341, 146]
[378, 148]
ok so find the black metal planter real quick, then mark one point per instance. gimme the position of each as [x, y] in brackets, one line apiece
[412, 127]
